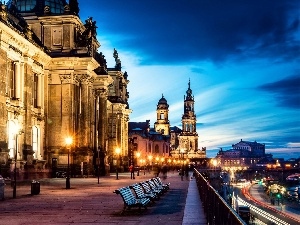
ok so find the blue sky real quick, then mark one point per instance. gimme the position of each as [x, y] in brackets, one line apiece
[242, 58]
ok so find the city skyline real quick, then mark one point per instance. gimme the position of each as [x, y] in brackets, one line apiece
[242, 59]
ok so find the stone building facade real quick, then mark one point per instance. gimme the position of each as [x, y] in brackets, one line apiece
[243, 155]
[149, 147]
[163, 142]
[55, 84]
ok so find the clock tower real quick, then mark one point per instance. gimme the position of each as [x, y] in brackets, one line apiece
[162, 124]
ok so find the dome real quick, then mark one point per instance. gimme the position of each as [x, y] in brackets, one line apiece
[36, 6]
[162, 103]
[162, 100]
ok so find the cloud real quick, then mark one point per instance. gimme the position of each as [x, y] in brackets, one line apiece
[173, 32]
[285, 91]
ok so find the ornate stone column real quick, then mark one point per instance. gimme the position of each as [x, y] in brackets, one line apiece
[84, 108]
[100, 89]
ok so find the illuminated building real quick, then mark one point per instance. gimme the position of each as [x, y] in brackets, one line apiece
[188, 137]
[162, 124]
[167, 142]
[56, 84]
[243, 155]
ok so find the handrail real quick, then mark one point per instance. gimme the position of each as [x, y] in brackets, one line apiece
[217, 211]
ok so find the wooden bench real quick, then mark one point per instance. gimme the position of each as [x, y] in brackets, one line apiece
[130, 200]
[140, 193]
[154, 187]
[148, 189]
[159, 185]
[166, 186]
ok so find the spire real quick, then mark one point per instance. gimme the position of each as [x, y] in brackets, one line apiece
[189, 92]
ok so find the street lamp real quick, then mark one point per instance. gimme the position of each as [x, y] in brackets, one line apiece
[144, 162]
[98, 163]
[138, 154]
[118, 151]
[150, 157]
[182, 151]
[15, 130]
[214, 163]
[157, 160]
[68, 141]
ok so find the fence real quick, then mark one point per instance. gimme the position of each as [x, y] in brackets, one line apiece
[217, 211]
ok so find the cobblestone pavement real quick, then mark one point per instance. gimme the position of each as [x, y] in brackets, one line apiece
[88, 202]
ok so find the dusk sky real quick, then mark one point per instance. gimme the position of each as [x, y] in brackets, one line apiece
[242, 58]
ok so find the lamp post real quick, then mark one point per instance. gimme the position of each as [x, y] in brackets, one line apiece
[182, 151]
[138, 154]
[15, 130]
[214, 163]
[98, 163]
[118, 151]
[15, 167]
[144, 162]
[150, 157]
[68, 141]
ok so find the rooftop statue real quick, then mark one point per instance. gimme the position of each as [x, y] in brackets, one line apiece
[117, 60]
[90, 28]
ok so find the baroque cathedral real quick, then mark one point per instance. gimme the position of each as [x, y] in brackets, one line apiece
[187, 144]
[166, 144]
[54, 85]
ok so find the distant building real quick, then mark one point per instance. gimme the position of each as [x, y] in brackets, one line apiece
[147, 146]
[251, 148]
[243, 155]
[187, 147]
[170, 144]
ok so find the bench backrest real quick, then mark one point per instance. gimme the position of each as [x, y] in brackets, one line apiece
[146, 187]
[139, 191]
[152, 185]
[127, 195]
[156, 183]
[159, 180]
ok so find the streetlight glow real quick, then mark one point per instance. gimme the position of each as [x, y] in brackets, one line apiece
[68, 140]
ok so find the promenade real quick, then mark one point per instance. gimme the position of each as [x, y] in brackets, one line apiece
[88, 202]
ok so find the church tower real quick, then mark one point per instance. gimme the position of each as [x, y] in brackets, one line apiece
[162, 124]
[188, 139]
